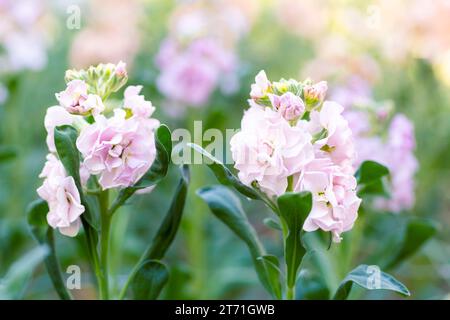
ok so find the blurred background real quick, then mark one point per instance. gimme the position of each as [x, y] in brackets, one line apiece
[196, 61]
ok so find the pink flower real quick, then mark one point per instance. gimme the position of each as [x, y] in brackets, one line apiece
[190, 74]
[137, 103]
[121, 69]
[56, 116]
[61, 194]
[120, 150]
[402, 164]
[335, 203]
[337, 142]
[267, 150]
[290, 106]
[261, 85]
[76, 100]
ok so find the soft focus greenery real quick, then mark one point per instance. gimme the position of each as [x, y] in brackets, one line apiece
[206, 259]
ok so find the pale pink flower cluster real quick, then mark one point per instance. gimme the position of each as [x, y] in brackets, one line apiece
[190, 74]
[293, 140]
[62, 196]
[117, 148]
[386, 139]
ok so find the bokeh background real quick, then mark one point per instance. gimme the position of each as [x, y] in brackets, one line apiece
[196, 61]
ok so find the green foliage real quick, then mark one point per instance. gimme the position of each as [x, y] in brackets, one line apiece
[370, 278]
[227, 208]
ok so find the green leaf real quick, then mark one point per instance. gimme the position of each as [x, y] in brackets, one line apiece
[417, 232]
[169, 227]
[224, 175]
[14, 283]
[272, 223]
[157, 171]
[7, 153]
[371, 179]
[65, 142]
[272, 266]
[370, 278]
[227, 208]
[37, 212]
[149, 280]
[294, 209]
[370, 171]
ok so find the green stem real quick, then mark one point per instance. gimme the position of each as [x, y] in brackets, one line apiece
[104, 244]
[288, 289]
[289, 293]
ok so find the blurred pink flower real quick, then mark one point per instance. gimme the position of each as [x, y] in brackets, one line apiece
[315, 93]
[190, 75]
[61, 194]
[120, 150]
[268, 150]
[335, 203]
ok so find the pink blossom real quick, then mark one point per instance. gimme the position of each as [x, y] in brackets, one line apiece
[191, 73]
[120, 150]
[76, 100]
[261, 85]
[402, 164]
[335, 203]
[290, 106]
[56, 116]
[188, 79]
[137, 103]
[337, 142]
[61, 194]
[267, 150]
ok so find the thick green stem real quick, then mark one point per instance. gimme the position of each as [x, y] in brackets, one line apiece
[104, 244]
[289, 293]
[288, 289]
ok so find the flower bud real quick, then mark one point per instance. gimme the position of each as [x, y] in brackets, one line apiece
[290, 106]
[315, 94]
[102, 79]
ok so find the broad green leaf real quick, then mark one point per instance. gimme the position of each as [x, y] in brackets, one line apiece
[168, 228]
[417, 232]
[272, 223]
[371, 179]
[7, 153]
[370, 278]
[272, 266]
[65, 142]
[149, 280]
[294, 209]
[157, 171]
[14, 283]
[370, 171]
[310, 286]
[224, 175]
[227, 208]
[37, 212]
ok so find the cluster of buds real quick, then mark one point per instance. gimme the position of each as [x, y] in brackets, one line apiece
[291, 98]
